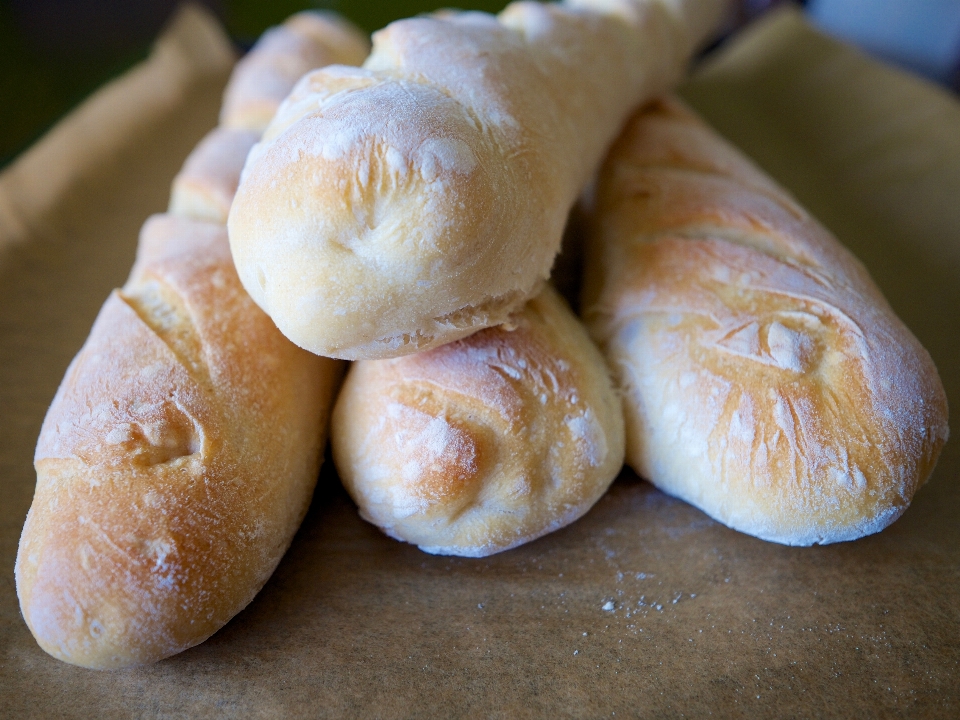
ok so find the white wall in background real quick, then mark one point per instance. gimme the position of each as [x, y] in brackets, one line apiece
[923, 35]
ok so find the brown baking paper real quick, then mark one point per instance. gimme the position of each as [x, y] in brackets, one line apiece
[645, 607]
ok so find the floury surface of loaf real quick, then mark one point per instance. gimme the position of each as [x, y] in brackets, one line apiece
[263, 77]
[485, 443]
[170, 481]
[181, 450]
[205, 186]
[404, 205]
[765, 378]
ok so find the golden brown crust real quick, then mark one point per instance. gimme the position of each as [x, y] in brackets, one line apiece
[170, 480]
[264, 77]
[395, 208]
[181, 450]
[485, 443]
[765, 379]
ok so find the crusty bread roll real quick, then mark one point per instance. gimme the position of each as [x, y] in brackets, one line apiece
[205, 186]
[264, 77]
[485, 443]
[175, 463]
[395, 208]
[765, 379]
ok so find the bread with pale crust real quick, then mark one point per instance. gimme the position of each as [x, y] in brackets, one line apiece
[205, 186]
[207, 182]
[412, 202]
[764, 377]
[485, 443]
[265, 75]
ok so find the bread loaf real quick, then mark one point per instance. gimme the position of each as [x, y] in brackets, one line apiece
[181, 450]
[263, 77]
[175, 463]
[485, 443]
[205, 186]
[765, 379]
[405, 205]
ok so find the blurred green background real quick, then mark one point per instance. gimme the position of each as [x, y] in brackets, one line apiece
[53, 53]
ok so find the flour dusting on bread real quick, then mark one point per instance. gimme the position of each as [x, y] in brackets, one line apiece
[765, 378]
[485, 443]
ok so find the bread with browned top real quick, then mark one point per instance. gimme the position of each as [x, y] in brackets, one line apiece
[181, 450]
[764, 377]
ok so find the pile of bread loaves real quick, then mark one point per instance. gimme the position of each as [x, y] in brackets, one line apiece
[405, 214]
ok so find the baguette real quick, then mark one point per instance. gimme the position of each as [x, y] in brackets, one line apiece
[262, 79]
[765, 379]
[485, 443]
[398, 207]
[175, 463]
[181, 450]
[205, 186]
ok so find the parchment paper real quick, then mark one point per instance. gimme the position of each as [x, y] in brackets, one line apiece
[645, 607]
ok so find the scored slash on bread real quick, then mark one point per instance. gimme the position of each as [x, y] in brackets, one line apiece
[765, 379]
[397, 207]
